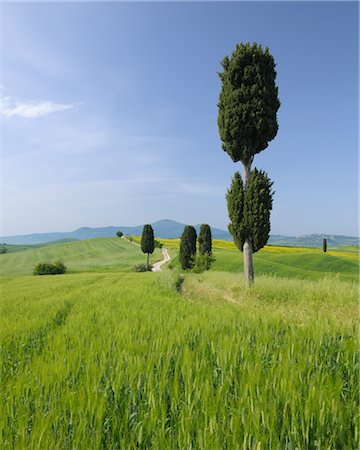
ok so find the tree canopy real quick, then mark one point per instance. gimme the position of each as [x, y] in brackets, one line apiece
[248, 102]
[205, 240]
[147, 239]
[188, 247]
[249, 210]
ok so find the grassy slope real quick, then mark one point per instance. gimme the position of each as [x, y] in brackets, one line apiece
[100, 254]
[307, 265]
[290, 262]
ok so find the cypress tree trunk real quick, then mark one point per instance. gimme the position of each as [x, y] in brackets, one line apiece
[147, 262]
[247, 248]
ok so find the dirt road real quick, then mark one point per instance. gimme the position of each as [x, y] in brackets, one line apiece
[157, 266]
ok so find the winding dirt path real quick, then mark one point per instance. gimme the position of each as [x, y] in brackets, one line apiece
[157, 266]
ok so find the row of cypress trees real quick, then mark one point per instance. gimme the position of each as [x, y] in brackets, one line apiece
[187, 254]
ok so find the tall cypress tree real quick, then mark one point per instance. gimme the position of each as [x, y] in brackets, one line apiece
[205, 240]
[187, 247]
[147, 242]
[247, 119]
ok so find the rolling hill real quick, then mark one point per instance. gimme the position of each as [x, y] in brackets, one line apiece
[114, 254]
[99, 254]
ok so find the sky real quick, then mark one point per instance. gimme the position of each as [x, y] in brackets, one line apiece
[109, 113]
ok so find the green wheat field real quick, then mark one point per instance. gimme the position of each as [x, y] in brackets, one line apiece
[104, 358]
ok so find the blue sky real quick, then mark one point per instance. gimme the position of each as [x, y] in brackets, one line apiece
[109, 113]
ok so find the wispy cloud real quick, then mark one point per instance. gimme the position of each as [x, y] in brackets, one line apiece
[31, 110]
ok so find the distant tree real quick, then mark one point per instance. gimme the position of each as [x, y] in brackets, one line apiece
[187, 247]
[147, 242]
[119, 234]
[249, 210]
[205, 239]
[3, 249]
[324, 245]
[247, 118]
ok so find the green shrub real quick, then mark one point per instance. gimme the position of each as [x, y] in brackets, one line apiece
[141, 268]
[3, 249]
[55, 268]
[158, 244]
[119, 234]
[202, 262]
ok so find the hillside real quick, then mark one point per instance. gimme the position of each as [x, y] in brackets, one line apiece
[99, 358]
[100, 254]
[114, 254]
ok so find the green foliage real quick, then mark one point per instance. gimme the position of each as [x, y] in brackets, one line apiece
[3, 249]
[141, 268]
[235, 204]
[248, 102]
[147, 242]
[158, 244]
[249, 211]
[324, 245]
[203, 262]
[147, 239]
[55, 268]
[205, 240]
[119, 234]
[187, 247]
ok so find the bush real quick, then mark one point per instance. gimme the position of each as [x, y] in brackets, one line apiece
[3, 249]
[202, 262]
[119, 234]
[158, 244]
[55, 268]
[141, 268]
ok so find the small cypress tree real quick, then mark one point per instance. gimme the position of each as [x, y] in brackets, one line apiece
[249, 210]
[324, 245]
[187, 247]
[147, 242]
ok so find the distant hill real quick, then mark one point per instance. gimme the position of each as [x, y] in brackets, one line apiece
[172, 229]
[163, 229]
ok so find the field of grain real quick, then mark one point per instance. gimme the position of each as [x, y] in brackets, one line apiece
[101, 358]
[116, 360]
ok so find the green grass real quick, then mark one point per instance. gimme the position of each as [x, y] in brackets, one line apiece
[289, 262]
[307, 265]
[117, 360]
[101, 358]
[100, 254]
